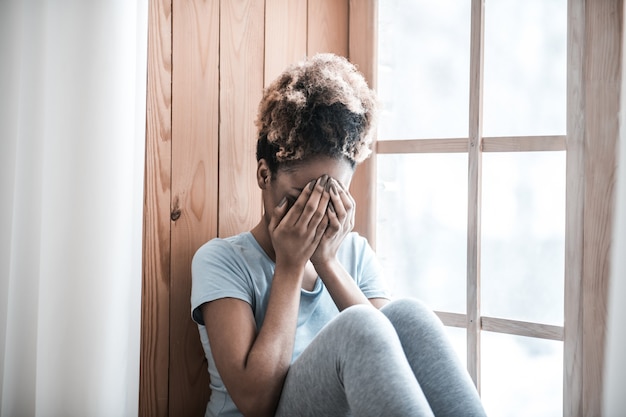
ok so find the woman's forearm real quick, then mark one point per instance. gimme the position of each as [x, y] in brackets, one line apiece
[269, 357]
[341, 286]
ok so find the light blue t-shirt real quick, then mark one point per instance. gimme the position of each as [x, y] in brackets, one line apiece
[237, 267]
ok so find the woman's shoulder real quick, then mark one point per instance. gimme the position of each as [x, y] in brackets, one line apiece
[223, 247]
[354, 246]
[356, 241]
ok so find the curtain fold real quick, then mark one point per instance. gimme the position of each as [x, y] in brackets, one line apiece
[72, 139]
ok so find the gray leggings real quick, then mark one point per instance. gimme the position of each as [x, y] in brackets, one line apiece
[392, 362]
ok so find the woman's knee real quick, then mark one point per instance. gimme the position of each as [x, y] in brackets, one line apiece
[406, 306]
[411, 312]
[364, 322]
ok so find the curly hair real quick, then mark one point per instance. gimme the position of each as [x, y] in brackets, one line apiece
[321, 106]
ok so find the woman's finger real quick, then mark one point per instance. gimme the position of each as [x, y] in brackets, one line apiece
[320, 230]
[348, 201]
[334, 225]
[315, 207]
[278, 213]
[337, 200]
[294, 213]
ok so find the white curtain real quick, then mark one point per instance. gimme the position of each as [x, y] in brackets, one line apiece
[72, 117]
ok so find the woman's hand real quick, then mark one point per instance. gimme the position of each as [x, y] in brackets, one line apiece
[340, 215]
[296, 232]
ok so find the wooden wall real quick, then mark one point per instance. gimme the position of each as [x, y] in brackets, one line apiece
[594, 84]
[208, 64]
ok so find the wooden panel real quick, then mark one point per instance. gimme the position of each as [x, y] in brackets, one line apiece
[522, 328]
[327, 27]
[474, 191]
[188, 111]
[422, 146]
[363, 32]
[194, 188]
[489, 144]
[452, 319]
[524, 144]
[154, 359]
[498, 325]
[602, 94]
[241, 88]
[574, 210]
[285, 35]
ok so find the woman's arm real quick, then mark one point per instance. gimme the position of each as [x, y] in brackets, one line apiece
[341, 286]
[253, 365]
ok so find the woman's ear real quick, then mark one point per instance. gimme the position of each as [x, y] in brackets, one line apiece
[263, 174]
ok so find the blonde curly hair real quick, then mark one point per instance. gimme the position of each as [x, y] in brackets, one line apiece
[319, 106]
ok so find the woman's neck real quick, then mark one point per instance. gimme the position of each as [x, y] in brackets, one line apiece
[262, 235]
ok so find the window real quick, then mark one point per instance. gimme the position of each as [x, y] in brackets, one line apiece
[471, 184]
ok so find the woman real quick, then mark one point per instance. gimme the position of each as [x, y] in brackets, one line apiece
[294, 316]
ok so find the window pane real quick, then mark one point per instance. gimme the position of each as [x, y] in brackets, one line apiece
[422, 227]
[523, 236]
[423, 68]
[458, 339]
[525, 67]
[521, 376]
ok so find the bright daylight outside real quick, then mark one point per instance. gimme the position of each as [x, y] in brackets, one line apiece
[422, 198]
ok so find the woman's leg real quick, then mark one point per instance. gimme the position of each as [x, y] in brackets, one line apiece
[446, 384]
[355, 366]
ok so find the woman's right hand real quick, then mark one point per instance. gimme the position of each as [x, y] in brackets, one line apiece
[253, 363]
[297, 231]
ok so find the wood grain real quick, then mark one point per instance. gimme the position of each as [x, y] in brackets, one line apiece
[474, 190]
[459, 145]
[524, 144]
[452, 145]
[574, 212]
[154, 357]
[241, 88]
[452, 319]
[603, 26]
[285, 35]
[363, 33]
[522, 328]
[327, 27]
[194, 188]
[499, 325]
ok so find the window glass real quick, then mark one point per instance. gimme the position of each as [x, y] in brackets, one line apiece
[523, 236]
[421, 202]
[521, 376]
[525, 67]
[423, 68]
[458, 339]
[422, 227]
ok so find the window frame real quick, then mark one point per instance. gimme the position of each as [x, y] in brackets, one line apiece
[594, 37]
[475, 145]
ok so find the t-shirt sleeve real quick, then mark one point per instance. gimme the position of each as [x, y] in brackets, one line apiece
[370, 278]
[218, 271]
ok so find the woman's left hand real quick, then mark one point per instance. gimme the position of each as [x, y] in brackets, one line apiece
[340, 213]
